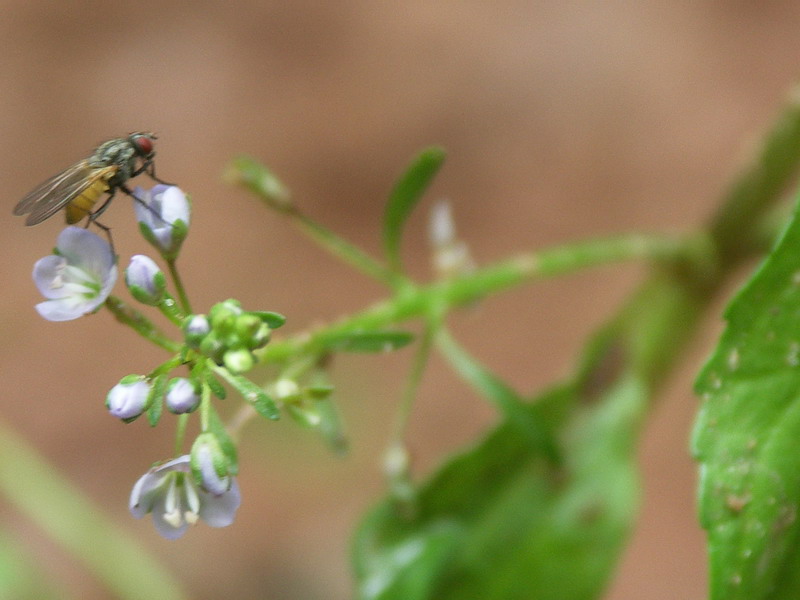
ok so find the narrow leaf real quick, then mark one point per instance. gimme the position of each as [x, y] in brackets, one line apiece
[155, 399]
[252, 393]
[404, 197]
[273, 319]
[252, 175]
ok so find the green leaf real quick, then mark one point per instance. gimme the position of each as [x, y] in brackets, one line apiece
[500, 522]
[252, 393]
[367, 341]
[747, 436]
[252, 175]
[273, 319]
[215, 386]
[404, 197]
[155, 399]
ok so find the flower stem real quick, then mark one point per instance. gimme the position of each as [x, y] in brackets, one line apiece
[341, 248]
[131, 317]
[559, 260]
[180, 433]
[176, 279]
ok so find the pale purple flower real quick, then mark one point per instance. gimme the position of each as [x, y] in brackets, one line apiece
[182, 396]
[128, 399]
[195, 328]
[163, 213]
[145, 280]
[170, 494]
[78, 279]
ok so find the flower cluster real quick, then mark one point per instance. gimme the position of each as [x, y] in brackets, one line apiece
[78, 279]
[229, 335]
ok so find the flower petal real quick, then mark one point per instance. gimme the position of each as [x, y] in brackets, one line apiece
[48, 276]
[220, 511]
[57, 310]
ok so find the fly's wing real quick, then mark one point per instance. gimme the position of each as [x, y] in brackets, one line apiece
[61, 189]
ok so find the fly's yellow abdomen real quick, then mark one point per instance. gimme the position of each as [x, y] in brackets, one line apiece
[82, 205]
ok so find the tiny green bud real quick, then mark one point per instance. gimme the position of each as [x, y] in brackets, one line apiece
[212, 347]
[247, 325]
[239, 360]
[261, 337]
[223, 316]
[286, 390]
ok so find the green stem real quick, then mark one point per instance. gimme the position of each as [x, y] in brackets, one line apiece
[176, 279]
[342, 248]
[416, 301]
[170, 309]
[180, 433]
[760, 185]
[131, 317]
[415, 377]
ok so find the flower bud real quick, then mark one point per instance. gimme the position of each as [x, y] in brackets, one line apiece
[247, 325]
[223, 316]
[239, 360]
[212, 347]
[261, 337]
[128, 399]
[145, 280]
[195, 329]
[163, 213]
[285, 389]
[182, 396]
[210, 466]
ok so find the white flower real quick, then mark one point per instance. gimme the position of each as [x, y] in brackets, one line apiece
[78, 279]
[163, 213]
[128, 399]
[169, 492]
[145, 280]
[182, 396]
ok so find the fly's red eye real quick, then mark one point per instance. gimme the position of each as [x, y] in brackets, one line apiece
[145, 145]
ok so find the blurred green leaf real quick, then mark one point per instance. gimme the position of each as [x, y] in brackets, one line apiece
[747, 436]
[273, 319]
[500, 522]
[254, 176]
[22, 577]
[367, 341]
[404, 197]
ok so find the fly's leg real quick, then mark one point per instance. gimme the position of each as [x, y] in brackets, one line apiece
[93, 219]
[152, 211]
[149, 167]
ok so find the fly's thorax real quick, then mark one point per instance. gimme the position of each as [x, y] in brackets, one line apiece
[119, 152]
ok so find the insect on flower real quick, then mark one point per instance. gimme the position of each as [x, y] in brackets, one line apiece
[78, 188]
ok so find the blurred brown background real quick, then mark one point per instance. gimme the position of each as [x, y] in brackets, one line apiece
[561, 119]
